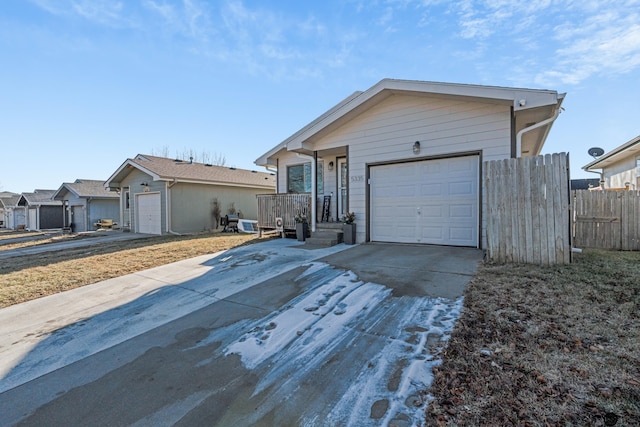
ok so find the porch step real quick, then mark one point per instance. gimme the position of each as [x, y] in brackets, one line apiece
[329, 236]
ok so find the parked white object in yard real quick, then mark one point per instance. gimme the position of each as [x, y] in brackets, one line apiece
[248, 226]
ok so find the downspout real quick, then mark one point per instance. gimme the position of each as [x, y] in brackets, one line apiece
[600, 174]
[314, 188]
[532, 127]
[273, 170]
[168, 186]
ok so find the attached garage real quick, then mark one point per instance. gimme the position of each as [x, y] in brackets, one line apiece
[149, 216]
[429, 201]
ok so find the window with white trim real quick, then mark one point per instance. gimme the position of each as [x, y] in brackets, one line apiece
[299, 178]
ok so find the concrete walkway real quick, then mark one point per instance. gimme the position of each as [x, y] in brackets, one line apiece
[265, 334]
[94, 239]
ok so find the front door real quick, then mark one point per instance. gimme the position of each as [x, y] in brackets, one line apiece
[343, 178]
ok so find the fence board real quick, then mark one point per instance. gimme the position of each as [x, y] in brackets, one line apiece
[607, 219]
[527, 209]
[285, 206]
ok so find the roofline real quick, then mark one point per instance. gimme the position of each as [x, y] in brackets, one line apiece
[157, 177]
[221, 183]
[612, 153]
[509, 96]
[130, 162]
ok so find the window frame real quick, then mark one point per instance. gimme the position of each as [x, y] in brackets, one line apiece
[304, 166]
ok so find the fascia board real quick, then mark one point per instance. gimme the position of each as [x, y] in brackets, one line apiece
[614, 155]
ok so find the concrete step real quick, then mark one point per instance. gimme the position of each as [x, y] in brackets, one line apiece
[325, 237]
[329, 226]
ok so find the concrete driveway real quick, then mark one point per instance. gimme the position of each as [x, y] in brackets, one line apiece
[87, 239]
[267, 334]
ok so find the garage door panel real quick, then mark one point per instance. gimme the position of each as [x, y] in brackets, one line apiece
[431, 233]
[431, 189]
[465, 188]
[462, 211]
[432, 212]
[438, 206]
[149, 214]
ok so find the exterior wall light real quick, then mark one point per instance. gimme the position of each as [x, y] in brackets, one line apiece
[416, 147]
[331, 165]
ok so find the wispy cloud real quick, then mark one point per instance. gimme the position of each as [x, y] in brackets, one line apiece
[104, 12]
[603, 44]
[574, 40]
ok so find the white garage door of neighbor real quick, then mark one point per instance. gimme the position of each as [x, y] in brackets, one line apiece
[430, 201]
[149, 217]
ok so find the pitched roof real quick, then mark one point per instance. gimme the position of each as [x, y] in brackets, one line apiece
[529, 105]
[39, 197]
[164, 169]
[9, 200]
[628, 148]
[85, 188]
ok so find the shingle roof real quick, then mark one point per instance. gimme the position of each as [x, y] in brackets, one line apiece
[87, 188]
[39, 197]
[8, 201]
[164, 169]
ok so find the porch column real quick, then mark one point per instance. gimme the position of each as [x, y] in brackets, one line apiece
[314, 185]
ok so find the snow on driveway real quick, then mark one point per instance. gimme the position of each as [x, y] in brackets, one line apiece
[46, 334]
[388, 343]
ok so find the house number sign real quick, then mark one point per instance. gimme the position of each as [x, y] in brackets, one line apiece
[357, 178]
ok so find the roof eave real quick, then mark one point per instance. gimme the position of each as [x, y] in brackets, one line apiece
[520, 99]
[613, 156]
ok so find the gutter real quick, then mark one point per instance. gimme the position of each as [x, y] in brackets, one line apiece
[532, 127]
[314, 188]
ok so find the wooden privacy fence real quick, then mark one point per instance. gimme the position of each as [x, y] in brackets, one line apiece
[527, 209]
[285, 206]
[607, 219]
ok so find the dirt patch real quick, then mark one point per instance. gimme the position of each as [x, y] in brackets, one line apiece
[28, 277]
[545, 346]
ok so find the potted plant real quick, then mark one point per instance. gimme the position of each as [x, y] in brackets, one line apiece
[302, 227]
[349, 228]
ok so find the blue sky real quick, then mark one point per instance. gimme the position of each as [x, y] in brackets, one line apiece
[85, 84]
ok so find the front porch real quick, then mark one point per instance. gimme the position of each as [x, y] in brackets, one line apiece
[277, 212]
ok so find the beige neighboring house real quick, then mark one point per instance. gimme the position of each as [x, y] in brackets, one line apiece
[620, 167]
[406, 156]
[159, 195]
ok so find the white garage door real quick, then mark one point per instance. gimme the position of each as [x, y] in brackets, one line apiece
[431, 201]
[149, 216]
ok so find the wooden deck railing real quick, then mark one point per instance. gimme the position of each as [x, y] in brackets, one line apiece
[285, 206]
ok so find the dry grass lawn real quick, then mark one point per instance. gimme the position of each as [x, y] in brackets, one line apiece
[545, 346]
[27, 277]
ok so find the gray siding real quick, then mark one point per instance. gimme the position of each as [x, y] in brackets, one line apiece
[134, 180]
[191, 205]
[103, 208]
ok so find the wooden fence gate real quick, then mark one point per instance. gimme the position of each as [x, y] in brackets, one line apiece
[607, 219]
[527, 209]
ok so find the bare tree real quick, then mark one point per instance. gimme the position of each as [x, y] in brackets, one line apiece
[160, 152]
[189, 154]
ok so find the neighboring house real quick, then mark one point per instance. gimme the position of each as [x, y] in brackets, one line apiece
[7, 203]
[405, 156]
[160, 195]
[620, 167]
[15, 216]
[42, 212]
[86, 202]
